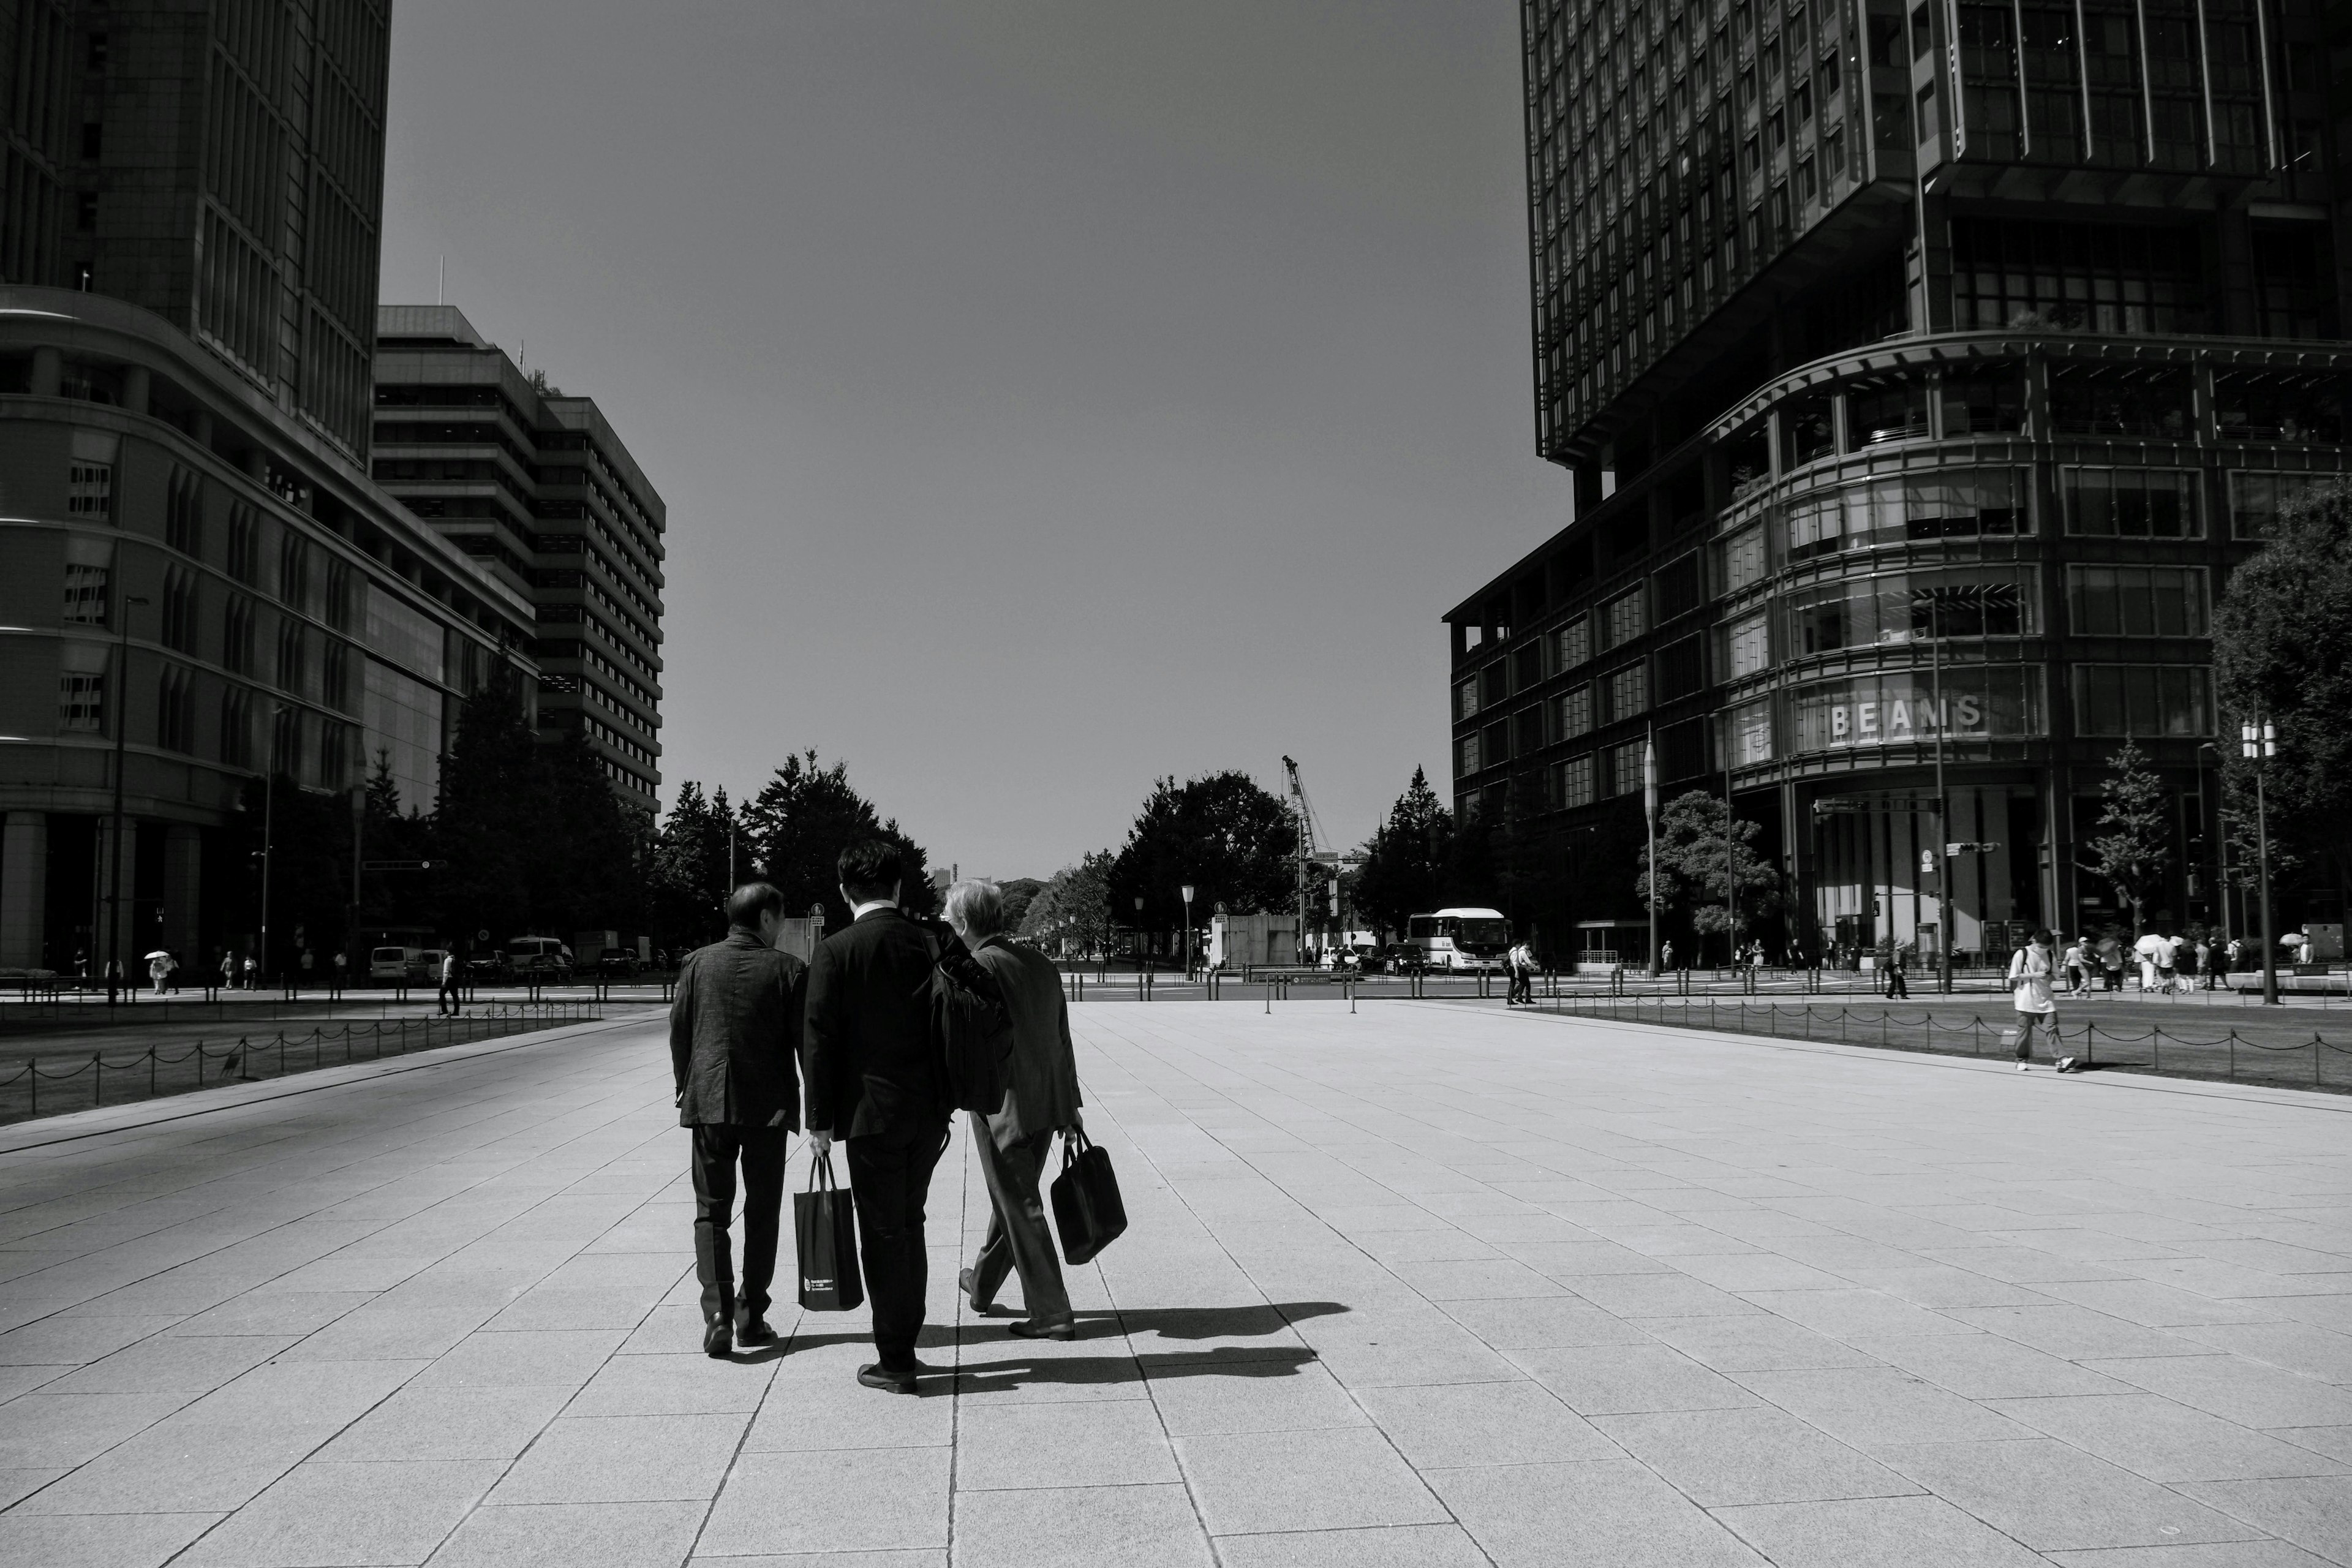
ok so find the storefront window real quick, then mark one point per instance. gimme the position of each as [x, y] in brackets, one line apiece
[1899, 707]
[2132, 503]
[2142, 700]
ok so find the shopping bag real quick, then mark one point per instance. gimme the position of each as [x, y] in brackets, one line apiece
[824, 1239]
[1086, 1207]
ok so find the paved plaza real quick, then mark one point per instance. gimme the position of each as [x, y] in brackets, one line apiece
[1429, 1284]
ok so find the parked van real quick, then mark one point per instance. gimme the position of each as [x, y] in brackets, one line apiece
[538, 958]
[393, 963]
[425, 967]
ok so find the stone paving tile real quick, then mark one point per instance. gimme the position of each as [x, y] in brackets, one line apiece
[98, 1541]
[1370, 1311]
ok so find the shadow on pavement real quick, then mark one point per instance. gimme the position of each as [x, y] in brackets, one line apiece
[1166, 1324]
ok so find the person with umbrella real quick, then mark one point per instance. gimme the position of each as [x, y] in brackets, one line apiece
[159, 964]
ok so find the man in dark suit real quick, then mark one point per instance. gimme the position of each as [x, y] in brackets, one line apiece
[1040, 1100]
[734, 1044]
[876, 1081]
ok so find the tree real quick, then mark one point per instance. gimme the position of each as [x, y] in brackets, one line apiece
[1018, 895]
[688, 880]
[483, 827]
[801, 820]
[1223, 834]
[2133, 849]
[402, 897]
[1700, 866]
[1406, 858]
[1073, 907]
[2282, 654]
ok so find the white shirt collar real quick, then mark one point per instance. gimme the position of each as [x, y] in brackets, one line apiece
[859, 912]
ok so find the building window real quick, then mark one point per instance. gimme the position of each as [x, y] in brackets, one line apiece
[2271, 408]
[293, 571]
[176, 709]
[1743, 559]
[1751, 734]
[1625, 618]
[2144, 699]
[1961, 503]
[1629, 692]
[2105, 278]
[1495, 743]
[1749, 645]
[1680, 588]
[1682, 669]
[1466, 701]
[86, 593]
[236, 635]
[1906, 608]
[2257, 499]
[1576, 711]
[1465, 756]
[1624, 768]
[1875, 416]
[2131, 503]
[183, 513]
[89, 490]
[1989, 404]
[335, 676]
[293, 661]
[244, 530]
[178, 609]
[1575, 642]
[81, 702]
[402, 719]
[1573, 783]
[236, 728]
[2136, 600]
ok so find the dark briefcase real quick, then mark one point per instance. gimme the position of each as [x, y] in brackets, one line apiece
[1086, 1207]
[824, 1239]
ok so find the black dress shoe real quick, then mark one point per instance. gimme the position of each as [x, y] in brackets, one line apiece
[881, 1377]
[717, 1341]
[1028, 1329]
[754, 1331]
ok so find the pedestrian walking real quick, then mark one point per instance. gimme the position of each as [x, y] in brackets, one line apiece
[446, 998]
[1041, 1098]
[1523, 966]
[252, 973]
[1666, 955]
[2110, 959]
[734, 1047]
[1895, 984]
[874, 1082]
[342, 968]
[2075, 968]
[2030, 970]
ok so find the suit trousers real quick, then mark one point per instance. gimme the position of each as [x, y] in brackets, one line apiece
[1017, 1235]
[717, 1149]
[890, 1178]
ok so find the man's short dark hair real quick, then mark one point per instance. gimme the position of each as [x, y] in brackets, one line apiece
[870, 870]
[743, 906]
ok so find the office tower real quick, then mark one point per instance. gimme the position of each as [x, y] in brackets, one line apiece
[536, 487]
[1921, 370]
[199, 586]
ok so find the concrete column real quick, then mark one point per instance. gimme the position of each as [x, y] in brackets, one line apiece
[183, 857]
[24, 889]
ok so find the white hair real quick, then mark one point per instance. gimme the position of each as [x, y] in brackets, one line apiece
[977, 907]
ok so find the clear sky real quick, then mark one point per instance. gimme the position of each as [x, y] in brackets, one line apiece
[1046, 396]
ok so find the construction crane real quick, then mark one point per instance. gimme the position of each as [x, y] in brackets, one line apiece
[1313, 851]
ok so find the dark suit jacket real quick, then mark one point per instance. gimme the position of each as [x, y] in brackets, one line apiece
[870, 1060]
[1043, 1095]
[735, 1034]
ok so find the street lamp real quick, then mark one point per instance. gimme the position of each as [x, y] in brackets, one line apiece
[115, 969]
[2258, 742]
[1188, 931]
[1139, 964]
[1943, 801]
[269, 823]
[2221, 831]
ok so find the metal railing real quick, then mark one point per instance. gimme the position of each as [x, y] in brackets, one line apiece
[249, 1060]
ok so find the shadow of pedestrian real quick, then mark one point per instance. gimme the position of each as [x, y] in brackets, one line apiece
[1103, 1370]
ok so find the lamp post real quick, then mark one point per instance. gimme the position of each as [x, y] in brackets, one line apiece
[1650, 817]
[2258, 742]
[116, 971]
[1943, 801]
[1138, 934]
[1188, 931]
[2221, 850]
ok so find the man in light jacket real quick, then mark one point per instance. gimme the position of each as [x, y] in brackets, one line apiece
[1040, 1100]
[734, 1045]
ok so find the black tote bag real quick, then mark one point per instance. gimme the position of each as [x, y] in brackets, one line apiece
[1086, 1207]
[824, 1239]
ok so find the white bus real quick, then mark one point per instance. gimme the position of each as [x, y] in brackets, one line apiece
[1460, 938]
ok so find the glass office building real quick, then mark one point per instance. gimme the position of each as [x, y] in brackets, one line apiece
[1921, 372]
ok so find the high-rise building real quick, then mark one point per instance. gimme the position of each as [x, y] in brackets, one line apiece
[536, 487]
[199, 585]
[1922, 370]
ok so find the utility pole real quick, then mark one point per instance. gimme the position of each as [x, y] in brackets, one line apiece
[268, 827]
[2258, 742]
[1650, 816]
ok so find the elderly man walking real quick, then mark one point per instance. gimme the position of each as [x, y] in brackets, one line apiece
[734, 1044]
[1041, 1098]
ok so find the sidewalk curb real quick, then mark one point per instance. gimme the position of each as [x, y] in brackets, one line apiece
[77, 1125]
[2109, 1078]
